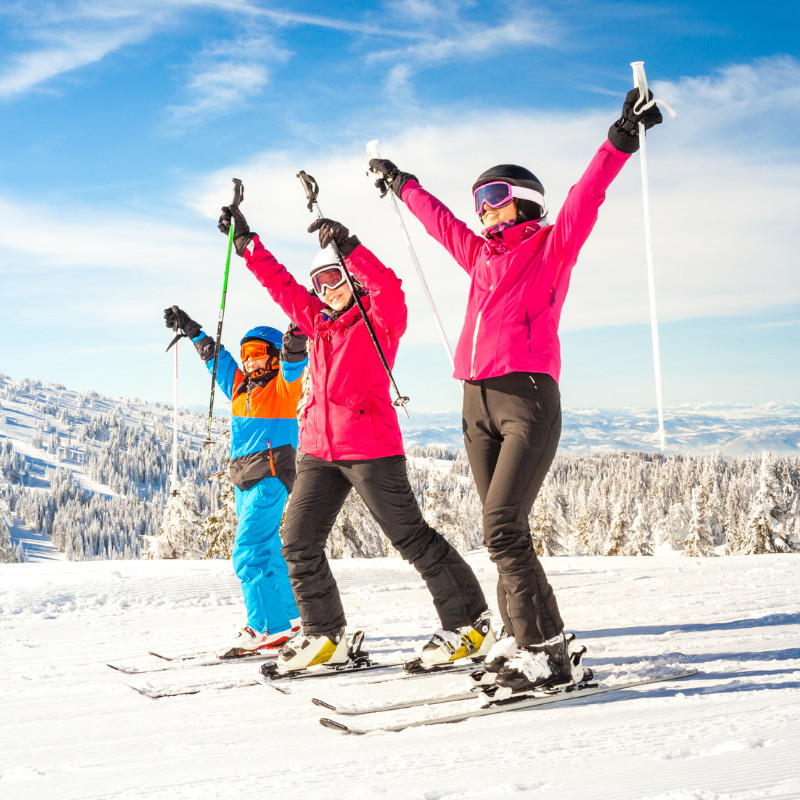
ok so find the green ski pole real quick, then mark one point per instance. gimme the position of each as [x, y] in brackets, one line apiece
[238, 197]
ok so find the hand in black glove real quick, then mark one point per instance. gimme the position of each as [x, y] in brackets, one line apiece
[295, 344]
[241, 230]
[390, 176]
[177, 317]
[624, 133]
[331, 231]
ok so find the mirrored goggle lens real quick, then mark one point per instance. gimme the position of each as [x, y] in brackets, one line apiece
[330, 278]
[254, 350]
[494, 195]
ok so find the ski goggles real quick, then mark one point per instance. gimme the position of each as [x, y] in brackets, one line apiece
[254, 350]
[499, 193]
[328, 278]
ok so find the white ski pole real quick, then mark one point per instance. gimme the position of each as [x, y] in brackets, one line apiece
[373, 152]
[640, 83]
[174, 477]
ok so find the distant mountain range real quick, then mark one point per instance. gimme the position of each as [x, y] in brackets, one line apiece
[697, 429]
[732, 429]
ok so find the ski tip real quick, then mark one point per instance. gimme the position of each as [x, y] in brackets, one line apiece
[142, 691]
[118, 669]
[322, 704]
[158, 655]
[333, 725]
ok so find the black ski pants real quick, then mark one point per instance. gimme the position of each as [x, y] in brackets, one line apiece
[318, 496]
[512, 425]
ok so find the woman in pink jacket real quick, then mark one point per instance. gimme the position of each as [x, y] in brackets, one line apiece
[509, 358]
[350, 438]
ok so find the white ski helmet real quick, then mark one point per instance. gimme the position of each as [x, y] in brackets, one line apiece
[325, 258]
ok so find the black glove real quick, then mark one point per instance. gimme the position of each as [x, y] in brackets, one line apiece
[624, 133]
[295, 344]
[330, 231]
[390, 176]
[241, 230]
[174, 316]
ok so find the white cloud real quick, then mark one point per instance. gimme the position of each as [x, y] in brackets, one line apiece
[723, 215]
[69, 35]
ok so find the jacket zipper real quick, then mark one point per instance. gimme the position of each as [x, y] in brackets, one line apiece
[475, 344]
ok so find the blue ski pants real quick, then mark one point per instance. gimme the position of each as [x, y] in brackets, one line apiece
[257, 559]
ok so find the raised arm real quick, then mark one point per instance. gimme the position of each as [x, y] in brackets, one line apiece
[579, 212]
[463, 244]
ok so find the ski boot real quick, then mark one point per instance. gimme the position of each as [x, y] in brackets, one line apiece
[247, 642]
[308, 650]
[444, 647]
[541, 666]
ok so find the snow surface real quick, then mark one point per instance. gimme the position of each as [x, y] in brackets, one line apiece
[70, 727]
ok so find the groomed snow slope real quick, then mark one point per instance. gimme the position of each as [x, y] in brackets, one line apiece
[71, 729]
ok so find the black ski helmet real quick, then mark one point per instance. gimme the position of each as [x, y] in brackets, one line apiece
[527, 210]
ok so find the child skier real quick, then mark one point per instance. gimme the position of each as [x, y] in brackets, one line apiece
[508, 357]
[350, 437]
[264, 395]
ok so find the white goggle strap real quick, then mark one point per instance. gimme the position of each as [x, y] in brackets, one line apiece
[523, 193]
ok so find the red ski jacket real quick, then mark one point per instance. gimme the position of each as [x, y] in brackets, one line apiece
[349, 414]
[519, 280]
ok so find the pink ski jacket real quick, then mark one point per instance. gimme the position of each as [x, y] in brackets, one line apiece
[518, 281]
[349, 414]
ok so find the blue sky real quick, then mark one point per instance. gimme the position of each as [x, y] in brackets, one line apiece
[122, 124]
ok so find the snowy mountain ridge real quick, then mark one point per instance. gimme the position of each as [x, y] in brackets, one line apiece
[732, 429]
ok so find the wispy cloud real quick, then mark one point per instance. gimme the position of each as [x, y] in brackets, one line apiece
[58, 38]
[225, 75]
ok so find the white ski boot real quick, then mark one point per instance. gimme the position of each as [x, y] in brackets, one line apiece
[308, 650]
[248, 642]
[444, 647]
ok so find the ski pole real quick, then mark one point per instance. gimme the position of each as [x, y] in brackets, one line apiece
[373, 152]
[312, 190]
[174, 474]
[238, 197]
[640, 83]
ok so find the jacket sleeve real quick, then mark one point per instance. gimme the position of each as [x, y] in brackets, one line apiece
[295, 300]
[463, 244]
[578, 215]
[388, 308]
[228, 373]
[292, 371]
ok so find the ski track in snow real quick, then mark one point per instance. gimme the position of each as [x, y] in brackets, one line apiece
[72, 729]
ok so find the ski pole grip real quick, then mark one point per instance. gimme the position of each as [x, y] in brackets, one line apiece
[238, 193]
[310, 186]
[640, 83]
[372, 149]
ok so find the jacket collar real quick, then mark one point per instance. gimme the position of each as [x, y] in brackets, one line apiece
[505, 239]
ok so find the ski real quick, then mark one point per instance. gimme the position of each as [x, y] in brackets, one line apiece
[155, 693]
[489, 706]
[199, 659]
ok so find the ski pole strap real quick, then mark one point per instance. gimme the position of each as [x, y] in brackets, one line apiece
[178, 337]
[311, 188]
[640, 82]
[238, 193]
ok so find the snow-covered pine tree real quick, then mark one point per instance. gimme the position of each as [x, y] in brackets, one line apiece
[181, 529]
[699, 541]
[9, 553]
[619, 531]
[548, 526]
[219, 527]
[640, 540]
[765, 525]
